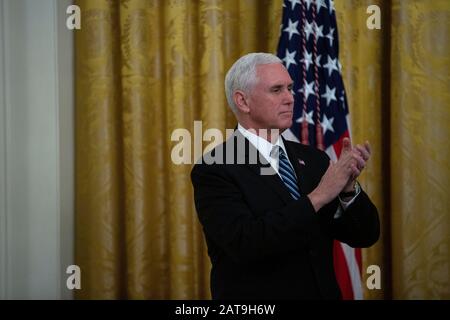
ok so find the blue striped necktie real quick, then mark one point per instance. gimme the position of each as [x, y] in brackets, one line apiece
[286, 172]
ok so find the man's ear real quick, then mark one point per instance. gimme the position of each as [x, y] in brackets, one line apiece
[240, 100]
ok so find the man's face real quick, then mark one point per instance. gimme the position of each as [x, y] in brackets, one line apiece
[270, 100]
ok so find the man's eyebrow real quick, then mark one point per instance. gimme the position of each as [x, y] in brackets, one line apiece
[279, 86]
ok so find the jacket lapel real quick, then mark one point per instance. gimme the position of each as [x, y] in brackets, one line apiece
[304, 181]
[259, 166]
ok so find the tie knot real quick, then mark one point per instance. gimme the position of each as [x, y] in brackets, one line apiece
[278, 151]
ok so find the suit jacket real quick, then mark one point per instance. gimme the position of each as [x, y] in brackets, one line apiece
[262, 243]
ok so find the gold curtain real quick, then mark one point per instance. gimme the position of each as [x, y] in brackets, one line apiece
[398, 80]
[420, 132]
[143, 69]
[147, 67]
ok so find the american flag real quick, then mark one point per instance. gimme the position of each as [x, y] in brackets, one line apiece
[309, 49]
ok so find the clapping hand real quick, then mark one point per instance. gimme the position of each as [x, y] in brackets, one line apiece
[360, 154]
[341, 176]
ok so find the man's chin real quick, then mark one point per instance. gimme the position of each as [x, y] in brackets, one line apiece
[285, 125]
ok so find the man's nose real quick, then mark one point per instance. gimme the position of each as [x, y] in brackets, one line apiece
[289, 96]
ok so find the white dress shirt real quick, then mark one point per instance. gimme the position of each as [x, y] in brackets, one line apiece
[265, 148]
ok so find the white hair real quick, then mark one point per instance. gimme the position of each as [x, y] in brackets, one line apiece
[242, 74]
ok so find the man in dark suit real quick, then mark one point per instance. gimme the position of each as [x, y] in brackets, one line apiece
[270, 208]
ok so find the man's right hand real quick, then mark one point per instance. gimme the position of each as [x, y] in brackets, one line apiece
[337, 176]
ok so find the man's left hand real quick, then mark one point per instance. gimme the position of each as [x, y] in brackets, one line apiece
[363, 155]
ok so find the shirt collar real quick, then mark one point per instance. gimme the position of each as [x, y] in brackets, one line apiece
[262, 145]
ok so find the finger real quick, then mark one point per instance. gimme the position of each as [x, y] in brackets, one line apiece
[355, 171]
[363, 152]
[368, 148]
[346, 145]
[359, 161]
[345, 159]
[350, 165]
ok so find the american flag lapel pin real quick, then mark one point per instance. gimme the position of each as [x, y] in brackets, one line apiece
[301, 162]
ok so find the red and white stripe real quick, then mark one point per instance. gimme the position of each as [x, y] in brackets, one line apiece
[347, 260]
